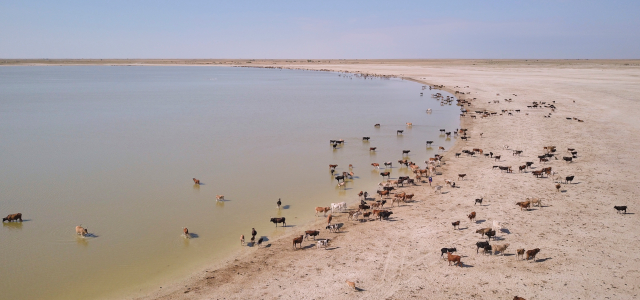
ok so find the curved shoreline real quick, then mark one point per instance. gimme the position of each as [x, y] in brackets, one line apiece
[401, 259]
[201, 275]
[176, 285]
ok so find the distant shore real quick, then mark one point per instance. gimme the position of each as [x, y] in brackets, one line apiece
[334, 64]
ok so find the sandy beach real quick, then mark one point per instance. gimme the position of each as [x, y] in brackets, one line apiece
[587, 249]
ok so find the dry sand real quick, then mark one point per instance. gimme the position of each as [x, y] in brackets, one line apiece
[588, 251]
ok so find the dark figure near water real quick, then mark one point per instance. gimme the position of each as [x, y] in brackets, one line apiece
[279, 203]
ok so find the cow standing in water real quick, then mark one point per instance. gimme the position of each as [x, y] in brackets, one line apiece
[279, 203]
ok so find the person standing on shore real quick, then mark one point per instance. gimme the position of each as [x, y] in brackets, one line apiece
[430, 180]
[253, 232]
[279, 203]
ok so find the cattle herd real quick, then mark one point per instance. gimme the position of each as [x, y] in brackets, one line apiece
[374, 209]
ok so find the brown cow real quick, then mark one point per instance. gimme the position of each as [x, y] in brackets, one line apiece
[297, 240]
[184, 229]
[456, 223]
[520, 252]
[196, 181]
[523, 205]
[532, 253]
[13, 217]
[81, 231]
[461, 176]
[454, 258]
[376, 165]
[373, 148]
[472, 216]
[312, 233]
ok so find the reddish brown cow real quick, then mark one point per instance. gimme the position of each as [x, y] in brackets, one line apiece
[13, 217]
[297, 240]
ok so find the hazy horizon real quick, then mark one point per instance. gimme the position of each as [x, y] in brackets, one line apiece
[328, 30]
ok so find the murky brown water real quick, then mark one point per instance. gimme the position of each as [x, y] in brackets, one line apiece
[115, 148]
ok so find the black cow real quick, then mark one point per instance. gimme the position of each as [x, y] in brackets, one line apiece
[279, 220]
[385, 215]
[621, 208]
[569, 179]
[481, 245]
[478, 201]
[365, 138]
[447, 250]
[490, 234]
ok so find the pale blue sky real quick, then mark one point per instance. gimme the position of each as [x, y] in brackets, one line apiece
[320, 29]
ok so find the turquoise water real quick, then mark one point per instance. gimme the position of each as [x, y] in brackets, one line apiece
[115, 148]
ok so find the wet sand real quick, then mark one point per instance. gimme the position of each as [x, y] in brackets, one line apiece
[587, 249]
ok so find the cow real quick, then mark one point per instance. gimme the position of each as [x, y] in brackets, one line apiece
[373, 148]
[297, 240]
[481, 245]
[532, 254]
[523, 205]
[376, 165]
[447, 250]
[322, 243]
[456, 223]
[399, 132]
[312, 233]
[383, 193]
[81, 231]
[13, 217]
[279, 220]
[384, 215]
[472, 216]
[196, 181]
[569, 179]
[621, 209]
[365, 138]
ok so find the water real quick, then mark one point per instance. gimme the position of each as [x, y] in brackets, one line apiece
[115, 148]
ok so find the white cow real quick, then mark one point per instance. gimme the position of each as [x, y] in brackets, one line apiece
[322, 243]
[338, 206]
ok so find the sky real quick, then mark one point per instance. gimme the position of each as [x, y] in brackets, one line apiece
[324, 29]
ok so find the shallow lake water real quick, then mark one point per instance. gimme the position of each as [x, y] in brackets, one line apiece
[115, 148]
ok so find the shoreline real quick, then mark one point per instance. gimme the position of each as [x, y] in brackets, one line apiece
[400, 258]
[174, 286]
